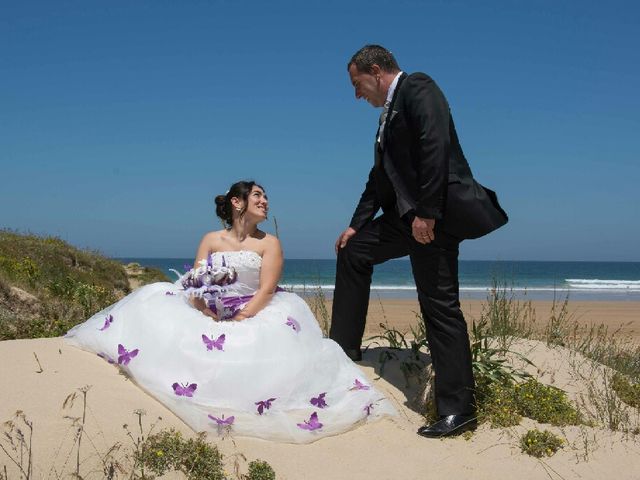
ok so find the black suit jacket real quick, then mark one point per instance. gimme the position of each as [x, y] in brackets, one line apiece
[423, 160]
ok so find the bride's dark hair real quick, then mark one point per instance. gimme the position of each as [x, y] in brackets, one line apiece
[241, 190]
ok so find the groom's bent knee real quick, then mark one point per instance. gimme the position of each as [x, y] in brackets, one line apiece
[353, 256]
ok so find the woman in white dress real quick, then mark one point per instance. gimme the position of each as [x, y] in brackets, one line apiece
[243, 357]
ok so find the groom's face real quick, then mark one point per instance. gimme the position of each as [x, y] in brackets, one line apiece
[367, 86]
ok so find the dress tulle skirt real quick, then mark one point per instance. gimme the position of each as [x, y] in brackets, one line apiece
[272, 376]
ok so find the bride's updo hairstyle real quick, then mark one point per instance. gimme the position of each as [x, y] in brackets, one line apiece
[240, 190]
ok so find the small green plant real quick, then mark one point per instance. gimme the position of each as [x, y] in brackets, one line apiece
[606, 405]
[545, 404]
[506, 317]
[318, 305]
[496, 400]
[497, 404]
[17, 446]
[89, 297]
[540, 444]
[490, 364]
[260, 470]
[27, 270]
[628, 392]
[167, 451]
[504, 404]
[602, 346]
[559, 325]
[393, 341]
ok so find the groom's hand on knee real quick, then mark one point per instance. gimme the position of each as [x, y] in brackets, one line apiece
[422, 230]
[344, 238]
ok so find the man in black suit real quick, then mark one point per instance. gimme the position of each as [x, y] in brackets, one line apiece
[430, 202]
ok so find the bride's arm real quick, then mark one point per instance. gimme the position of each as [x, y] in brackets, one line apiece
[270, 271]
[204, 249]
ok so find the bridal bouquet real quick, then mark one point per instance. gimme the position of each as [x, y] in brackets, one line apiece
[208, 282]
[207, 278]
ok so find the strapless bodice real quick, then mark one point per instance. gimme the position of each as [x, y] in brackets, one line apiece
[247, 264]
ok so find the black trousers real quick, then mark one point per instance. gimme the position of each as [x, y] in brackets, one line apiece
[435, 271]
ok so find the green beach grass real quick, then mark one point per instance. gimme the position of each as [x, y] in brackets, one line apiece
[47, 286]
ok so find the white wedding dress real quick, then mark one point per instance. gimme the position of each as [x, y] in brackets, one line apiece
[272, 376]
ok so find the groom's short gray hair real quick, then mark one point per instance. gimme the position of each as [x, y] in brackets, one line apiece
[370, 55]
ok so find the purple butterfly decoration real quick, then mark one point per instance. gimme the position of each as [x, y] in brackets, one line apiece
[107, 322]
[368, 408]
[184, 390]
[169, 293]
[358, 385]
[107, 358]
[125, 356]
[311, 424]
[264, 405]
[218, 343]
[223, 421]
[293, 323]
[319, 401]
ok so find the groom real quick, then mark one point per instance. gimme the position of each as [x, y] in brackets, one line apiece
[430, 202]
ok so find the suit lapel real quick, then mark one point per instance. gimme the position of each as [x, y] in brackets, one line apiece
[392, 113]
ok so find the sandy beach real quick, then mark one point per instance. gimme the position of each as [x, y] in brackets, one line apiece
[40, 374]
[621, 316]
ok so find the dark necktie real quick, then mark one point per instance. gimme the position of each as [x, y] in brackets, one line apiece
[382, 120]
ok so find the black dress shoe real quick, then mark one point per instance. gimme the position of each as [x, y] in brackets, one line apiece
[448, 426]
[354, 354]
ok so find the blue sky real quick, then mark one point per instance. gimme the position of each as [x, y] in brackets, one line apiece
[120, 121]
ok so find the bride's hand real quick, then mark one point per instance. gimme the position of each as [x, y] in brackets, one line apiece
[210, 313]
[200, 304]
[238, 317]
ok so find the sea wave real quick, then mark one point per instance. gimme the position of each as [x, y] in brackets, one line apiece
[598, 284]
[582, 285]
[308, 287]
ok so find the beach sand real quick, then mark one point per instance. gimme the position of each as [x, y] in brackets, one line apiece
[621, 316]
[387, 449]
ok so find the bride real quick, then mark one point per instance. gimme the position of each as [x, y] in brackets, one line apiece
[248, 358]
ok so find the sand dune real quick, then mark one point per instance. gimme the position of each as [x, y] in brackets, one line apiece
[388, 449]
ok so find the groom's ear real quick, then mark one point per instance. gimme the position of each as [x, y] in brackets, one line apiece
[375, 70]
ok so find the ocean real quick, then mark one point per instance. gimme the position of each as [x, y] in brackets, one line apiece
[536, 280]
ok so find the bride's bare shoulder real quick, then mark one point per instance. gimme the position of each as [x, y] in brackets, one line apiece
[271, 241]
[213, 239]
